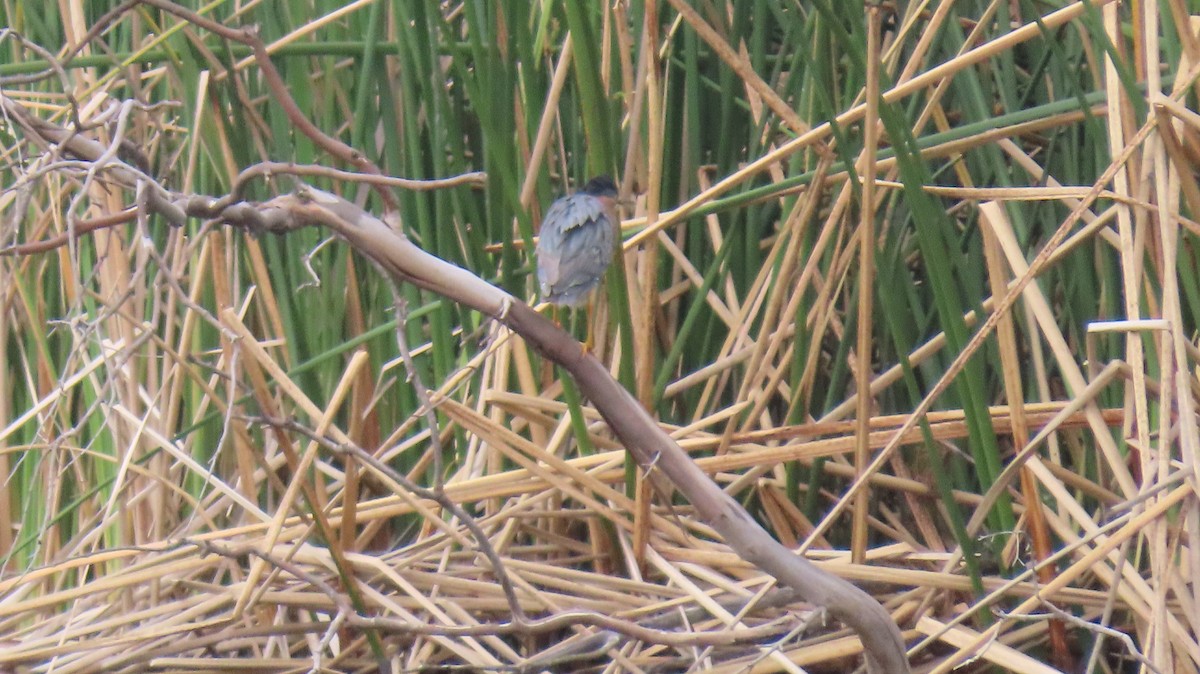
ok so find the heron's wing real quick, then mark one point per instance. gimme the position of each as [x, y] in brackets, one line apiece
[576, 243]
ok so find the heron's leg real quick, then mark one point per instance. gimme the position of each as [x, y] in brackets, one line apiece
[589, 316]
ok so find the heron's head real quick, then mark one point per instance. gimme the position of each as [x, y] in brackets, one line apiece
[601, 186]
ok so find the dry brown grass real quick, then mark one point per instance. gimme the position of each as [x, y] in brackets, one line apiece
[156, 521]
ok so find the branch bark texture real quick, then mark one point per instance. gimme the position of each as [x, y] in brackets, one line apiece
[652, 447]
[395, 255]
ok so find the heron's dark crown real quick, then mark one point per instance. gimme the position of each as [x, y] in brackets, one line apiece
[600, 186]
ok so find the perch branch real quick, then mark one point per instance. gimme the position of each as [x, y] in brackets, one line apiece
[653, 449]
[650, 445]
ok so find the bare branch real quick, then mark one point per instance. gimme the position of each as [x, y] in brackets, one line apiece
[402, 260]
[649, 444]
[281, 94]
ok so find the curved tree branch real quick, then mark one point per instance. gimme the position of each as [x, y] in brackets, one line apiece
[653, 449]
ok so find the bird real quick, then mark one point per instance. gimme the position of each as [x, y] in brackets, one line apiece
[577, 242]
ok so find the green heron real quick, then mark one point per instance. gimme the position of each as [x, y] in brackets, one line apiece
[576, 243]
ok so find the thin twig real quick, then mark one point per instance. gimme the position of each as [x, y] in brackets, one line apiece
[281, 94]
[414, 378]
